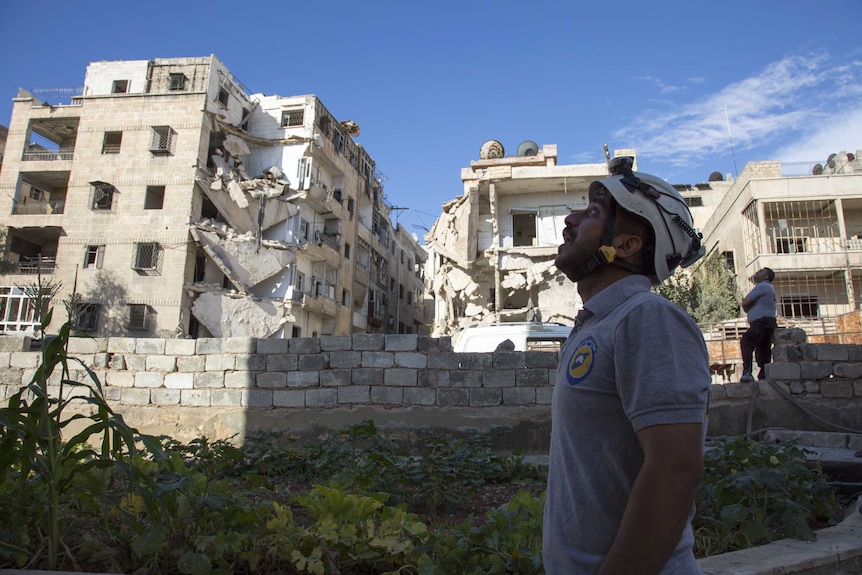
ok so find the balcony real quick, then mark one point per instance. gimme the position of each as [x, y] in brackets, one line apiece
[42, 155]
[43, 265]
[33, 207]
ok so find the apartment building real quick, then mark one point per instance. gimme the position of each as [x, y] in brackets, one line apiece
[807, 228]
[492, 251]
[176, 203]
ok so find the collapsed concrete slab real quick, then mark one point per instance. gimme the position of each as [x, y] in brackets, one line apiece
[229, 315]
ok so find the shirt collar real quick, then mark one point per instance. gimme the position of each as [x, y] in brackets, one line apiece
[609, 298]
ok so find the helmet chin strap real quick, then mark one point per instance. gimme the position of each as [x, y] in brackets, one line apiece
[606, 254]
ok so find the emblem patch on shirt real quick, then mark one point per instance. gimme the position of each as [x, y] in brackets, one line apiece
[581, 363]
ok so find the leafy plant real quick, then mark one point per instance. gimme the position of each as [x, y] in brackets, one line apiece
[753, 493]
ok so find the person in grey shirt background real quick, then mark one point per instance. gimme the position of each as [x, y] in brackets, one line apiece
[759, 307]
[628, 414]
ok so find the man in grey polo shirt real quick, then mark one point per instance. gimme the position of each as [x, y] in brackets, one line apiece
[759, 307]
[630, 399]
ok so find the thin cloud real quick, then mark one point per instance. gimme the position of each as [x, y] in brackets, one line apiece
[787, 99]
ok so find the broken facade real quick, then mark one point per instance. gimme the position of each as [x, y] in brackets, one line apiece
[179, 204]
[492, 250]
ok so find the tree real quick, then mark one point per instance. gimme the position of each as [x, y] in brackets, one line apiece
[707, 292]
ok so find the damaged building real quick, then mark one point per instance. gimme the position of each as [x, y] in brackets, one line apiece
[178, 204]
[491, 252]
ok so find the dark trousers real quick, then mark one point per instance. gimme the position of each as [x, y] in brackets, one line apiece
[757, 340]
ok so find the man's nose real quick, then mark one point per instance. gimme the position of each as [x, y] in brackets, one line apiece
[573, 219]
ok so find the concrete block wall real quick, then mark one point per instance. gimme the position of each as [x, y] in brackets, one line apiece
[222, 387]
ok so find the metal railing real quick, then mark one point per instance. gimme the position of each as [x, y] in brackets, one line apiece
[33, 266]
[47, 155]
[39, 208]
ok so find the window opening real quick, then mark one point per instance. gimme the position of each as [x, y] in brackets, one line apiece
[103, 196]
[223, 97]
[524, 229]
[176, 82]
[86, 316]
[139, 316]
[162, 141]
[93, 257]
[120, 87]
[292, 118]
[111, 142]
[154, 198]
[146, 256]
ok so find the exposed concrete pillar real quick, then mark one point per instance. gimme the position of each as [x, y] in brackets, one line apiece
[495, 254]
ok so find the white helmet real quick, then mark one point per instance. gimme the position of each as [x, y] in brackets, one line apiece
[677, 243]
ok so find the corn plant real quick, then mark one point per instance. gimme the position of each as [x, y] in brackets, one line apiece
[37, 454]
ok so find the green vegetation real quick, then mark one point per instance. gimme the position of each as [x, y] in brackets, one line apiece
[708, 292]
[109, 499]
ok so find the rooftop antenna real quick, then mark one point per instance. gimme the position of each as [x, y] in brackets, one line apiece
[397, 209]
[607, 155]
[730, 137]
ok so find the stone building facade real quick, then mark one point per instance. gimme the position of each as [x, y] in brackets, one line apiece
[176, 203]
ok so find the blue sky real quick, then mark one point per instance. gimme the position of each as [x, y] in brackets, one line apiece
[429, 82]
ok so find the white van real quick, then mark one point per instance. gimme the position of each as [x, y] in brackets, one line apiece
[525, 337]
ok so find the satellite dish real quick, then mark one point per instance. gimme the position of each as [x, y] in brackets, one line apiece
[716, 177]
[817, 169]
[351, 127]
[528, 148]
[830, 161]
[491, 150]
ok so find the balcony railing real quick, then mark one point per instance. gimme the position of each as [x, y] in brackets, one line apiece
[47, 155]
[39, 208]
[33, 266]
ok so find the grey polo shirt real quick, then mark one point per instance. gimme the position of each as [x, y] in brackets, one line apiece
[636, 361]
[763, 295]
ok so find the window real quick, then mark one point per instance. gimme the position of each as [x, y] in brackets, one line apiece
[694, 201]
[93, 256]
[410, 298]
[402, 257]
[346, 251]
[336, 195]
[524, 227]
[391, 284]
[176, 82]
[146, 256]
[86, 316]
[162, 140]
[350, 207]
[800, 306]
[345, 298]
[111, 142]
[139, 317]
[299, 284]
[120, 87]
[223, 96]
[729, 261]
[296, 331]
[400, 291]
[154, 198]
[790, 245]
[38, 195]
[291, 118]
[103, 196]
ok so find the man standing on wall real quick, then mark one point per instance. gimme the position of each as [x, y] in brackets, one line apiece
[759, 307]
[630, 398]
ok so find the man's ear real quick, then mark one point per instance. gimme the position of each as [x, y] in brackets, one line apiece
[627, 245]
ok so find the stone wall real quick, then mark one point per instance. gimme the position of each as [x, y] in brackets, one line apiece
[228, 387]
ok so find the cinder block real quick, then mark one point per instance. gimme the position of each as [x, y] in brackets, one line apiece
[238, 345]
[354, 394]
[180, 346]
[367, 376]
[196, 397]
[220, 362]
[313, 362]
[135, 396]
[531, 378]
[446, 360]
[24, 359]
[226, 397]
[383, 395]
[401, 342]
[485, 397]
[848, 370]
[815, 369]
[382, 359]
[832, 351]
[179, 380]
[191, 363]
[427, 378]
[257, 398]
[240, 379]
[519, 396]
[783, 370]
[303, 379]
[5, 356]
[368, 342]
[335, 377]
[121, 345]
[335, 342]
[209, 379]
[498, 378]
[271, 346]
[508, 360]
[149, 346]
[321, 397]
[83, 345]
[11, 376]
[163, 363]
[419, 396]
[136, 362]
[540, 359]
[117, 361]
[251, 362]
[836, 389]
[453, 397]
[281, 362]
[149, 379]
[401, 377]
[288, 398]
[271, 380]
[165, 396]
[303, 345]
[476, 360]
[410, 359]
[208, 345]
[465, 378]
[10, 343]
[738, 390]
[544, 395]
[345, 359]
